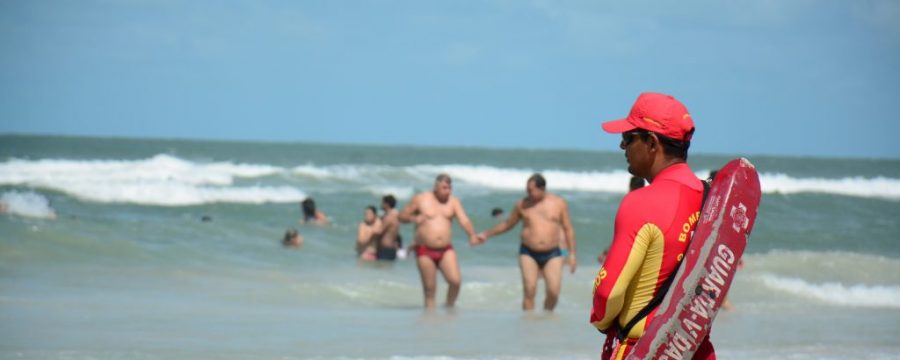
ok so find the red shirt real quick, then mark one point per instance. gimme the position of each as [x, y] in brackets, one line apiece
[653, 226]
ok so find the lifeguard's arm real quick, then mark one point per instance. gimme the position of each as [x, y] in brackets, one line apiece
[406, 215]
[504, 226]
[464, 221]
[626, 255]
[570, 237]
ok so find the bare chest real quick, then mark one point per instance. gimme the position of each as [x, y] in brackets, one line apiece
[433, 208]
[544, 211]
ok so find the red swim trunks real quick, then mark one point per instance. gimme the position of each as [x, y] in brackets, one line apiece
[434, 254]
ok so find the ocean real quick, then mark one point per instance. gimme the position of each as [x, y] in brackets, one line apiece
[105, 254]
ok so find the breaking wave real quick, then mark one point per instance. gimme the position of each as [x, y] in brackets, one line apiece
[161, 180]
[171, 181]
[27, 204]
[835, 293]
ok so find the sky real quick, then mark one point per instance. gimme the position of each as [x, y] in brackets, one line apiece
[766, 77]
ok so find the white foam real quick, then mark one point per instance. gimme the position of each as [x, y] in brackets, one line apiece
[160, 180]
[158, 168]
[153, 180]
[855, 295]
[349, 172]
[28, 204]
[877, 187]
[400, 193]
[175, 194]
[617, 181]
[515, 179]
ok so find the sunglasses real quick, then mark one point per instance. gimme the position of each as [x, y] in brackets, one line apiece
[628, 137]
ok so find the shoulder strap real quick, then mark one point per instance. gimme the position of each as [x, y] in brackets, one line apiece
[662, 289]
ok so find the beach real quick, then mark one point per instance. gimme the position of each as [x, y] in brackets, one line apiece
[104, 254]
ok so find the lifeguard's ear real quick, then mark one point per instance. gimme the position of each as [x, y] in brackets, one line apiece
[653, 140]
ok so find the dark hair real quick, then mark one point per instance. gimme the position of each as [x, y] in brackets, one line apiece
[389, 200]
[442, 177]
[309, 208]
[374, 211]
[539, 181]
[672, 147]
[675, 148]
[496, 211]
[290, 234]
[712, 175]
[635, 183]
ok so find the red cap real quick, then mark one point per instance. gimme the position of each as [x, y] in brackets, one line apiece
[659, 113]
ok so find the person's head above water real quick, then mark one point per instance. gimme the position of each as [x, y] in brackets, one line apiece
[292, 238]
[443, 185]
[309, 208]
[656, 132]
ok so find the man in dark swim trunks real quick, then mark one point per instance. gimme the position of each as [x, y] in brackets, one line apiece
[545, 215]
[389, 241]
[433, 213]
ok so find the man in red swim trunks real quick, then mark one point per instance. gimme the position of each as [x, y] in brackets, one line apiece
[653, 224]
[433, 213]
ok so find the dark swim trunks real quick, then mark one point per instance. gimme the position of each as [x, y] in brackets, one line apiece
[541, 257]
[386, 253]
[434, 254]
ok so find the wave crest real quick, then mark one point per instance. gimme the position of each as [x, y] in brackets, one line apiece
[168, 180]
[878, 187]
[161, 180]
[856, 295]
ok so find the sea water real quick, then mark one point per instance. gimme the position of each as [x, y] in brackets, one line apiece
[105, 254]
